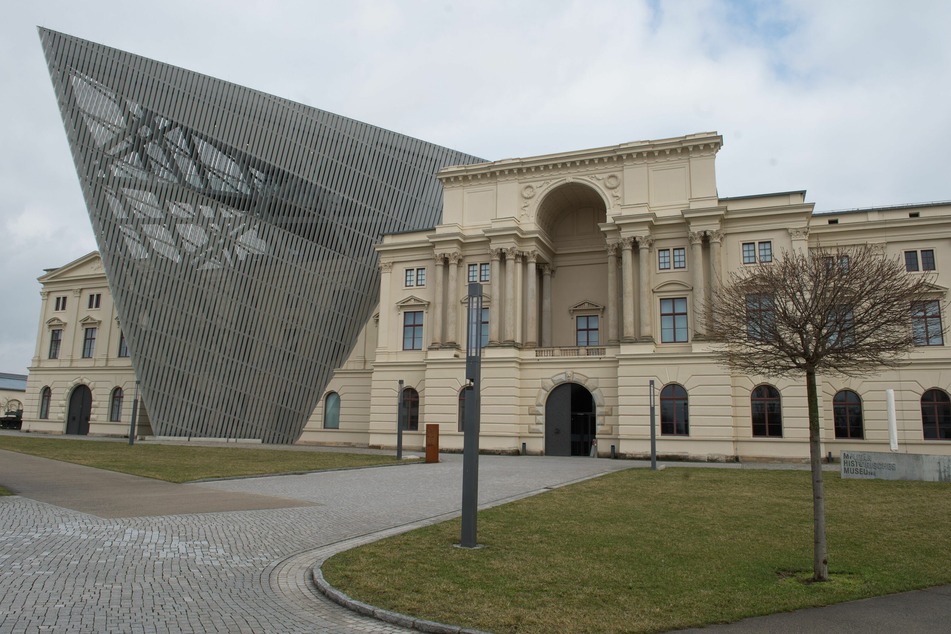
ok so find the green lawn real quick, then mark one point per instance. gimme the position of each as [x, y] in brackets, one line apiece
[642, 551]
[184, 463]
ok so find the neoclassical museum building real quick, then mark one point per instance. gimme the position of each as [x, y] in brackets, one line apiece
[595, 265]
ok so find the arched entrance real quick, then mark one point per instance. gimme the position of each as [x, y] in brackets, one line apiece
[569, 421]
[80, 405]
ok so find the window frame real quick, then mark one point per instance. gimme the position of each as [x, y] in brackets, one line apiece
[679, 258]
[59, 303]
[95, 301]
[410, 409]
[89, 341]
[414, 277]
[415, 329]
[756, 252]
[926, 317]
[674, 317]
[941, 419]
[587, 330]
[917, 262]
[768, 426]
[843, 415]
[46, 396]
[331, 416]
[123, 351]
[56, 343]
[115, 405]
[760, 316]
[663, 259]
[673, 399]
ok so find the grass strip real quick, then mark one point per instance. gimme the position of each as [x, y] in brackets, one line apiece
[642, 551]
[186, 463]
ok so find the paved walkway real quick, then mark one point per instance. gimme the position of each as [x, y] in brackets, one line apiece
[83, 550]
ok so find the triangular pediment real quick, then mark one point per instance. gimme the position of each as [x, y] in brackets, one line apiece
[586, 307]
[412, 302]
[89, 320]
[55, 322]
[89, 265]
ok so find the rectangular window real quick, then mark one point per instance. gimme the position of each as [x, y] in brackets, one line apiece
[927, 260]
[926, 323]
[484, 272]
[749, 253]
[587, 330]
[413, 330]
[760, 318]
[680, 258]
[59, 303]
[485, 327]
[761, 252]
[414, 277]
[56, 339]
[94, 300]
[473, 273]
[123, 347]
[89, 342]
[663, 259]
[673, 320]
[911, 261]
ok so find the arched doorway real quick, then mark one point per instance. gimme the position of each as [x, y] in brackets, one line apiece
[569, 421]
[80, 404]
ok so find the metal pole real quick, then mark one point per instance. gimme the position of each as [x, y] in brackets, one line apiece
[135, 410]
[470, 452]
[653, 428]
[399, 423]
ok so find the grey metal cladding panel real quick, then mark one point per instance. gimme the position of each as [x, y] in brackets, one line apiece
[236, 230]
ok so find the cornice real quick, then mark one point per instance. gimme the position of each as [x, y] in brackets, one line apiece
[701, 144]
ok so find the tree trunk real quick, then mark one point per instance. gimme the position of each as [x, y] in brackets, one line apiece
[820, 562]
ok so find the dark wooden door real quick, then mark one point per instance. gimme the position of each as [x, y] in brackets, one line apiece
[80, 405]
[558, 421]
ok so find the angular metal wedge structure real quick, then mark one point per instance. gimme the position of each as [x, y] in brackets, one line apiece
[237, 231]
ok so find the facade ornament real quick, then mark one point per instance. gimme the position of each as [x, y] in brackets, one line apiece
[455, 257]
[696, 237]
[644, 242]
[386, 267]
[496, 254]
[612, 181]
[439, 258]
[715, 236]
[528, 192]
[627, 243]
[510, 253]
[799, 233]
[546, 268]
[613, 248]
[530, 256]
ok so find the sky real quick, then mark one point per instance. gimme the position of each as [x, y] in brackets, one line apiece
[848, 100]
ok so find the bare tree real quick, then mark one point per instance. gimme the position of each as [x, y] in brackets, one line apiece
[847, 311]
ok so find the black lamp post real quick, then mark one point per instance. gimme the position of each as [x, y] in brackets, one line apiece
[470, 453]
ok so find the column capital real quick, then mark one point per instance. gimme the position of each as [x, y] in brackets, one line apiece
[439, 258]
[715, 236]
[44, 294]
[496, 253]
[799, 233]
[696, 237]
[644, 242]
[530, 256]
[454, 258]
[510, 253]
[546, 268]
[613, 248]
[627, 243]
[386, 267]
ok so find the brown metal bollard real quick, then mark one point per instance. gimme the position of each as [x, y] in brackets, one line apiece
[432, 443]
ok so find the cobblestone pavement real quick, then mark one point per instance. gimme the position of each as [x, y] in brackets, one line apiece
[240, 571]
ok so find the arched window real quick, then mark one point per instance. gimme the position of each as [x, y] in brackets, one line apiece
[410, 409]
[45, 396]
[462, 409]
[767, 412]
[115, 405]
[847, 414]
[332, 411]
[936, 415]
[673, 411]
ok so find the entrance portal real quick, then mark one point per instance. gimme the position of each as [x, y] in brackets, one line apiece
[80, 404]
[569, 421]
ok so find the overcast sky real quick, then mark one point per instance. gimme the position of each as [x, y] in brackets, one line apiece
[848, 100]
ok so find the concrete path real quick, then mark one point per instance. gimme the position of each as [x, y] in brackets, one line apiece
[83, 550]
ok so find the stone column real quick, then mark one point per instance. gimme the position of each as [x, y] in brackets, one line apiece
[546, 305]
[439, 303]
[44, 337]
[699, 282]
[531, 319]
[716, 237]
[627, 280]
[386, 309]
[645, 298]
[612, 293]
[452, 299]
[495, 283]
[510, 266]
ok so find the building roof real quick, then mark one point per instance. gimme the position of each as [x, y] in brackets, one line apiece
[15, 382]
